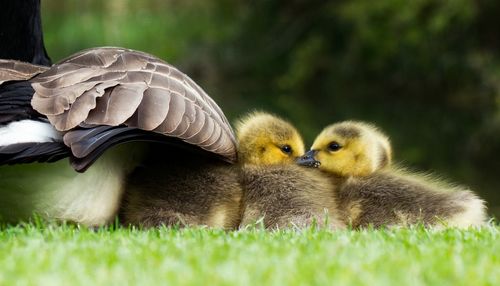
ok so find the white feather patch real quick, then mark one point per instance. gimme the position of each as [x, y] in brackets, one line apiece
[26, 131]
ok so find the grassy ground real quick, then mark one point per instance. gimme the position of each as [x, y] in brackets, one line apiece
[67, 255]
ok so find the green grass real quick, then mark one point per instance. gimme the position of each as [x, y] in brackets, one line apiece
[68, 255]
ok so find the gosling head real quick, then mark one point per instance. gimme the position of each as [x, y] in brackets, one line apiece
[265, 139]
[349, 148]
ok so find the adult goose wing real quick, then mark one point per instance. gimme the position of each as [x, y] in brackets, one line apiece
[15, 91]
[15, 106]
[11, 70]
[132, 90]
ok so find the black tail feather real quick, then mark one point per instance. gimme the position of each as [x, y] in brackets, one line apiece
[22, 153]
[15, 102]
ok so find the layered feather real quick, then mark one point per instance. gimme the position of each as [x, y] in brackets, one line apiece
[121, 87]
[15, 70]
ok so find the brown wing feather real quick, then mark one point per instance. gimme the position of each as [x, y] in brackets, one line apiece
[16, 70]
[115, 86]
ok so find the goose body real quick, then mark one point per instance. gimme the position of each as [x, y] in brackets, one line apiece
[391, 198]
[90, 108]
[370, 191]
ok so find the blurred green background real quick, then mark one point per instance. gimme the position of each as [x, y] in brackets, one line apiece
[426, 71]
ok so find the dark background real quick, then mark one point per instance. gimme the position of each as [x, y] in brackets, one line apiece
[426, 71]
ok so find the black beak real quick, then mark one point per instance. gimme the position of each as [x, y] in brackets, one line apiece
[308, 159]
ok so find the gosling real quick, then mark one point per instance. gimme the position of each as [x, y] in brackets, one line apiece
[277, 192]
[370, 191]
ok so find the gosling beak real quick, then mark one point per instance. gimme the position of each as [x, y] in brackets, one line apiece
[308, 159]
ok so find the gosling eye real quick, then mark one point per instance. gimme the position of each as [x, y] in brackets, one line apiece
[286, 149]
[334, 146]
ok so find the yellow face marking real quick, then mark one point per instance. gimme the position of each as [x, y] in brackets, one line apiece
[349, 160]
[277, 151]
[265, 139]
[362, 150]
